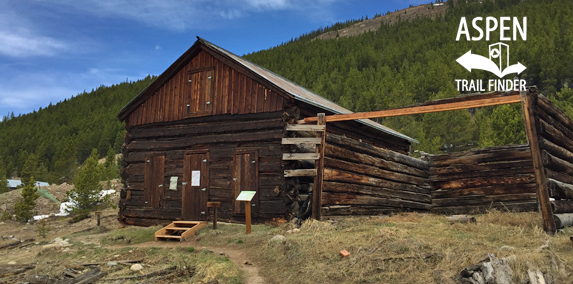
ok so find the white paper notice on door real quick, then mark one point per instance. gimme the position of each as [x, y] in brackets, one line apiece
[195, 178]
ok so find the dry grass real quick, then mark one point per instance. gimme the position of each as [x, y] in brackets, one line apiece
[404, 248]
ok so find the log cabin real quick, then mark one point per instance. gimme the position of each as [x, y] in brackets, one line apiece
[214, 124]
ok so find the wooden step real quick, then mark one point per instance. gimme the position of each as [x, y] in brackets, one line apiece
[305, 140]
[168, 236]
[301, 156]
[305, 127]
[300, 173]
[178, 228]
[189, 228]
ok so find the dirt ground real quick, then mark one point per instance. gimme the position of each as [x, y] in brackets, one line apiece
[402, 248]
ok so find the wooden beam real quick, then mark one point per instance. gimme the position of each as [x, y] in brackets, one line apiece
[540, 178]
[319, 165]
[444, 106]
[305, 127]
[301, 156]
[300, 173]
[286, 141]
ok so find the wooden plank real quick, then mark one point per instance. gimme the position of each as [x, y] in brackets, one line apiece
[319, 165]
[301, 156]
[260, 98]
[248, 95]
[292, 141]
[419, 109]
[540, 179]
[305, 127]
[300, 173]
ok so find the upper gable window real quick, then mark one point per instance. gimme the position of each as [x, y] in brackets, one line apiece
[199, 92]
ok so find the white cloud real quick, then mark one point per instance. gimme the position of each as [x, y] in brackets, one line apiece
[25, 44]
[158, 47]
[18, 39]
[182, 15]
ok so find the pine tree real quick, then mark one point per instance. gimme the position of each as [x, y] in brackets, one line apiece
[110, 165]
[24, 208]
[29, 169]
[3, 181]
[87, 189]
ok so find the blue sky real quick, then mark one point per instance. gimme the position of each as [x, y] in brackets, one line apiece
[54, 49]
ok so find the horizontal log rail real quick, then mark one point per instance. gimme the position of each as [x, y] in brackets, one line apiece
[446, 106]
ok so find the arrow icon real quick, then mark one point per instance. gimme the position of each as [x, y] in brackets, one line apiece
[474, 61]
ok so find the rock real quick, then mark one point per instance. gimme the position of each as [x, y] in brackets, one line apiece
[213, 281]
[136, 267]
[12, 262]
[66, 249]
[112, 263]
[116, 256]
[2, 223]
[289, 231]
[296, 230]
[278, 239]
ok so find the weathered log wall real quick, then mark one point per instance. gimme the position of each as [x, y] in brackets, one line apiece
[474, 181]
[555, 131]
[221, 135]
[360, 178]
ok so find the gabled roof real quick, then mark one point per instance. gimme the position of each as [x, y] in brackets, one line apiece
[297, 92]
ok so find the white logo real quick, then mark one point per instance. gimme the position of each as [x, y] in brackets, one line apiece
[497, 63]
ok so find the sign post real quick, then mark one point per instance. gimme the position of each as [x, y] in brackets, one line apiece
[247, 196]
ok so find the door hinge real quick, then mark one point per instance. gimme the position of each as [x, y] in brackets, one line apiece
[203, 212]
[204, 160]
[203, 189]
[183, 183]
[160, 185]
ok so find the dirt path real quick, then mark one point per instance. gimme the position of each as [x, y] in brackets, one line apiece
[237, 256]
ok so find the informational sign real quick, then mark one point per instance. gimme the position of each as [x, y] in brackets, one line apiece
[246, 195]
[173, 183]
[196, 178]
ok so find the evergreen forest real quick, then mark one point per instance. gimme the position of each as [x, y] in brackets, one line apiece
[400, 64]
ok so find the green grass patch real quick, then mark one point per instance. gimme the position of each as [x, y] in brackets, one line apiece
[130, 236]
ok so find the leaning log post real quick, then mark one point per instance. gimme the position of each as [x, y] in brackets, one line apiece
[319, 165]
[527, 104]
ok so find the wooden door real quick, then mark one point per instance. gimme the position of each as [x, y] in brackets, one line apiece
[245, 177]
[199, 92]
[196, 188]
[153, 181]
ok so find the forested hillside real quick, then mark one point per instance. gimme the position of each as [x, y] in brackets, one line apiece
[412, 62]
[398, 65]
[61, 136]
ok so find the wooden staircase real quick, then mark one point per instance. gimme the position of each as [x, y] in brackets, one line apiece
[179, 230]
[317, 138]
